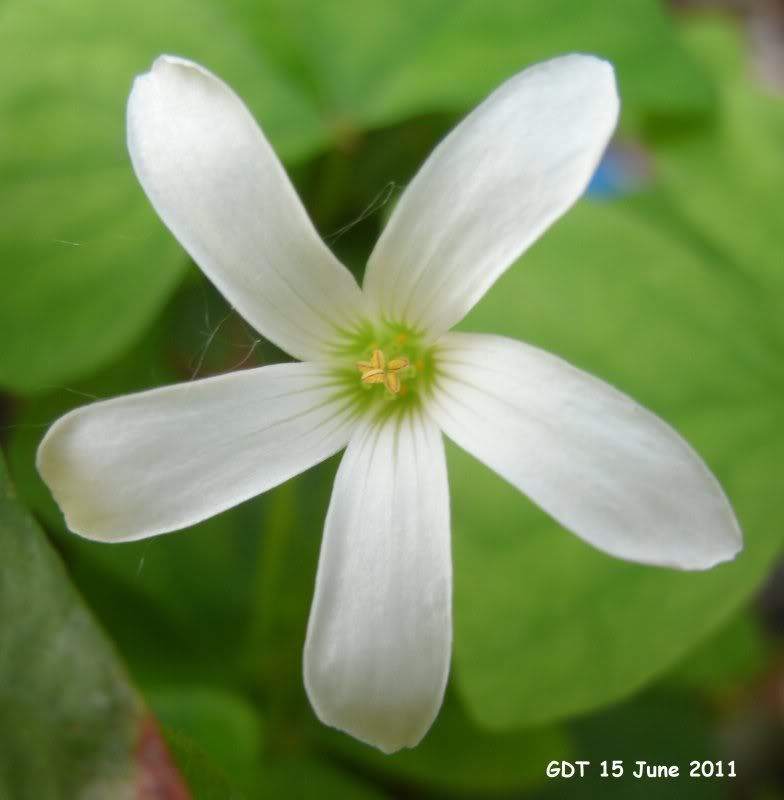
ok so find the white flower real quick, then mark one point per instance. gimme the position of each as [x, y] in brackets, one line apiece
[383, 376]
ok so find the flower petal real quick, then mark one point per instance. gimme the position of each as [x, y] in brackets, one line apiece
[490, 189]
[380, 630]
[216, 182]
[607, 469]
[157, 461]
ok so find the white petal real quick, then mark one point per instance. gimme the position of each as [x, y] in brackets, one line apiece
[604, 467]
[157, 461]
[216, 183]
[380, 630]
[490, 189]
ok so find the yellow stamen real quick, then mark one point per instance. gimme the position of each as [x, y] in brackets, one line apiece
[378, 370]
[376, 362]
[397, 364]
[392, 382]
[373, 376]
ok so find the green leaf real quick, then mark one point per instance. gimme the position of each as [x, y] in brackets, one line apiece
[662, 728]
[85, 264]
[70, 722]
[296, 778]
[374, 63]
[206, 781]
[457, 758]
[738, 652]
[546, 626]
[209, 726]
[727, 181]
[221, 723]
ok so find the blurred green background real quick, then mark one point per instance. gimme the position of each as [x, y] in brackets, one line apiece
[667, 281]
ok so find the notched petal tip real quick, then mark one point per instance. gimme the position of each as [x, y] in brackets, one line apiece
[595, 73]
[713, 535]
[725, 550]
[166, 59]
[588, 76]
[54, 465]
[590, 61]
[602, 68]
[166, 72]
[377, 729]
[169, 64]
[163, 66]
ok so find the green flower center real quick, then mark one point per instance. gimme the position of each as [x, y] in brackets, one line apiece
[386, 367]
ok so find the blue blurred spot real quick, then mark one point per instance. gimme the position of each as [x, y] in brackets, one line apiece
[622, 170]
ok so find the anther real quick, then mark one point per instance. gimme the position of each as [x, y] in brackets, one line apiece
[373, 376]
[378, 370]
